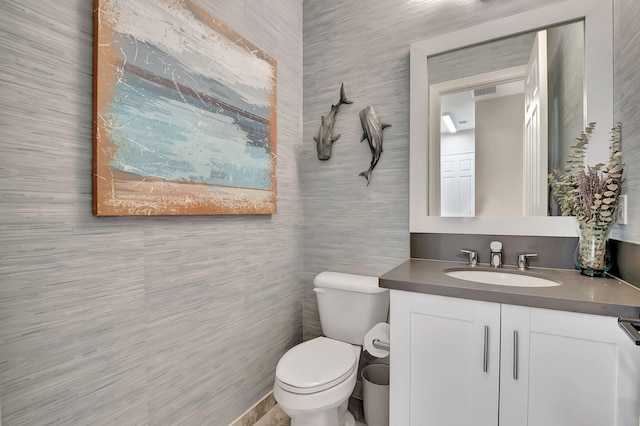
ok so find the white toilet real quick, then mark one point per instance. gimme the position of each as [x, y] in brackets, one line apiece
[315, 379]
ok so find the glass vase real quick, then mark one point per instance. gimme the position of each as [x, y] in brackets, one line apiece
[592, 256]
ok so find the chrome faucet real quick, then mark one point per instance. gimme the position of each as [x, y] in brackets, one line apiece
[523, 261]
[496, 254]
[473, 256]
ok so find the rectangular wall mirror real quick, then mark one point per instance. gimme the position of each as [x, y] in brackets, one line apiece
[503, 114]
[496, 106]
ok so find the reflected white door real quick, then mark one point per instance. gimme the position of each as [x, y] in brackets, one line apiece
[457, 187]
[536, 130]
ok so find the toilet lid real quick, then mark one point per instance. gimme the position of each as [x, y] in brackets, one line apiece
[316, 365]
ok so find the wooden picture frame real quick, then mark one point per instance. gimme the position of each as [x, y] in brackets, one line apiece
[184, 113]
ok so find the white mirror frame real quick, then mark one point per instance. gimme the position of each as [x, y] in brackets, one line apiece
[598, 17]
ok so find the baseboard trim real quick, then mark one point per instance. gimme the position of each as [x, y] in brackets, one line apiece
[253, 414]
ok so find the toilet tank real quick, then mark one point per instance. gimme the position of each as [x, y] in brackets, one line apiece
[349, 305]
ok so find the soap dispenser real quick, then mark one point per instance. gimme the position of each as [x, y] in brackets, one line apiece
[496, 254]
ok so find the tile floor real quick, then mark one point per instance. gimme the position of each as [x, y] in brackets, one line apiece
[276, 417]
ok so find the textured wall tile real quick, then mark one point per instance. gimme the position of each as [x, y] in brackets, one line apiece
[626, 100]
[133, 320]
[350, 228]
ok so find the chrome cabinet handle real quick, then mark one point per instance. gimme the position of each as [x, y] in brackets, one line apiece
[515, 355]
[485, 360]
[632, 328]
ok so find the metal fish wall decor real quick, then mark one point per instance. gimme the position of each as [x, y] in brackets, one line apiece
[325, 138]
[372, 131]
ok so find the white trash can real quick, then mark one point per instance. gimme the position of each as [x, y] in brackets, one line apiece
[375, 394]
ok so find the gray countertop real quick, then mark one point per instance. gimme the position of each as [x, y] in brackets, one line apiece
[577, 293]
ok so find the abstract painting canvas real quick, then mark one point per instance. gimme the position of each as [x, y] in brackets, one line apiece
[184, 113]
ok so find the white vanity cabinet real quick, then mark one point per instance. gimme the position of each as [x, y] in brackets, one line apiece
[459, 362]
[438, 361]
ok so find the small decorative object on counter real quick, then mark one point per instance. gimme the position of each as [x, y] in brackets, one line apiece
[591, 195]
[592, 255]
[372, 131]
[325, 138]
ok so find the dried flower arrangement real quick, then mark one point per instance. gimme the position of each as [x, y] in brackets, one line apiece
[592, 196]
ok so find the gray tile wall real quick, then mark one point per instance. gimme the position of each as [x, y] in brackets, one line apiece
[626, 100]
[552, 252]
[160, 321]
[486, 57]
[181, 320]
[349, 227]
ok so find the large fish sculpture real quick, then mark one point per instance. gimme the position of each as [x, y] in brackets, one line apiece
[325, 138]
[372, 131]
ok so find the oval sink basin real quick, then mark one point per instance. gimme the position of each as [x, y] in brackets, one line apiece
[506, 278]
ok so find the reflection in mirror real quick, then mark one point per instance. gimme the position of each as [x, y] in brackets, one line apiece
[597, 16]
[502, 115]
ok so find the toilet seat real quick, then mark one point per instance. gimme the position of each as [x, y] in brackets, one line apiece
[316, 365]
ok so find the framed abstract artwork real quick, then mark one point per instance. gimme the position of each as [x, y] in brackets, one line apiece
[184, 113]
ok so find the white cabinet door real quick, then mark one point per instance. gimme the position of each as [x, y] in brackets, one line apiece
[445, 361]
[567, 369]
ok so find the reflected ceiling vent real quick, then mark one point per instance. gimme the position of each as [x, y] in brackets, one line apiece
[484, 91]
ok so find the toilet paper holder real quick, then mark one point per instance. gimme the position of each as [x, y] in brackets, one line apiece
[379, 344]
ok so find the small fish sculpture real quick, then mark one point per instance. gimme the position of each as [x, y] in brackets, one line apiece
[372, 131]
[325, 138]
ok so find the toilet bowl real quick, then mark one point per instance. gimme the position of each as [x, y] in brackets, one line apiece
[315, 379]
